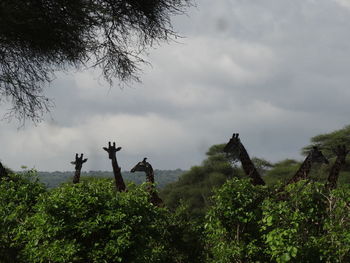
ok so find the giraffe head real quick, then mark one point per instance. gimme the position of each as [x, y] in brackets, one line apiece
[143, 166]
[341, 151]
[316, 156]
[111, 150]
[79, 161]
[233, 146]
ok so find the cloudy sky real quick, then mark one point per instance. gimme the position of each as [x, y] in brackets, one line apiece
[275, 71]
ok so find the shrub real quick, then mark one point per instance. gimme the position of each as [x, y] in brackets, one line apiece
[231, 223]
[18, 195]
[91, 222]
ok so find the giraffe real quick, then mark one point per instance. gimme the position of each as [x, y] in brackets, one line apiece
[314, 156]
[78, 165]
[340, 151]
[146, 167]
[119, 182]
[3, 172]
[234, 146]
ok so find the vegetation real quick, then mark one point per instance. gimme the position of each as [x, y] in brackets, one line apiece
[18, 195]
[281, 171]
[233, 234]
[214, 214]
[195, 187]
[91, 222]
[254, 224]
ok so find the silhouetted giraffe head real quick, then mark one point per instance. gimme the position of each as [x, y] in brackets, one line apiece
[233, 147]
[143, 166]
[341, 151]
[111, 150]
[316, 156]
[79, 161]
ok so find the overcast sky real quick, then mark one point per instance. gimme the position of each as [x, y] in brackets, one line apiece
[275, 71]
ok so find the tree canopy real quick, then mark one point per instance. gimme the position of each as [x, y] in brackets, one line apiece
[39, 37]
[195, 187]
[328, 141]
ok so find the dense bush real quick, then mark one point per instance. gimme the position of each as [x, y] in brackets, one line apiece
[293, 222]
[232, 223]
[305, 223]
[91, 222]
[187, 238]
[18, 195]
[334, 243]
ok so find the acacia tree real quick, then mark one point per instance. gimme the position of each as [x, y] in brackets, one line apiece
[328, 141]
[38, 38]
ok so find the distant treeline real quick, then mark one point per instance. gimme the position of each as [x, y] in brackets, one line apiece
[162, 177]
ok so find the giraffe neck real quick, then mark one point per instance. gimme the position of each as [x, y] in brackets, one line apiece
[76, 178]
[249, 167]
[334, 172]
[303, 171]
[3, 172]
[150, 175]
[117, 175]
[154, 198]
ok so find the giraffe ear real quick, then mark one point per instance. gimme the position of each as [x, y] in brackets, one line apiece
[84, 161]
[73, 163]
[105, 148]
[118, 149]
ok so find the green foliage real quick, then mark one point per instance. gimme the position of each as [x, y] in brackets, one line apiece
[91, 222]
[186, 236]
[262, 165]
[231, 223]
[282, 171]
[18, 194]
[330, 140]
[293, 222]
[335, 242]
[195, 187]
[305, 223]
[327, 142]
